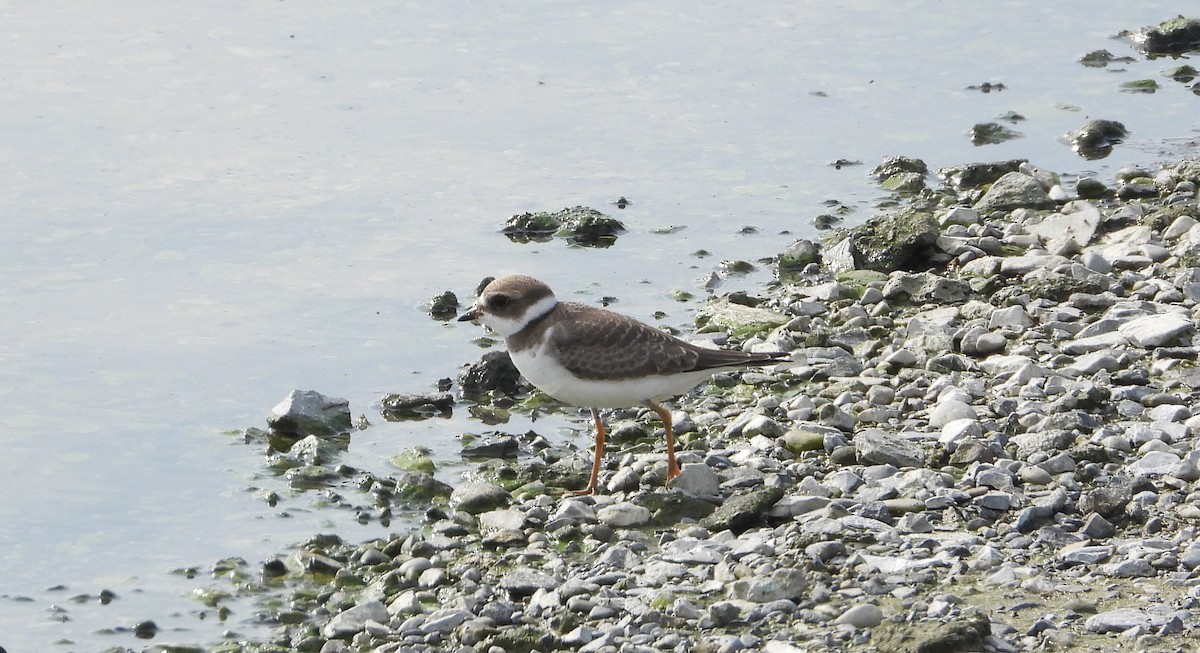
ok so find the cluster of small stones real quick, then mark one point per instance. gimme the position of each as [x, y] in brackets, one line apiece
[994, 447]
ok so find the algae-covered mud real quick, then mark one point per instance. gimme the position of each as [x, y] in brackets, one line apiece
[974, 236]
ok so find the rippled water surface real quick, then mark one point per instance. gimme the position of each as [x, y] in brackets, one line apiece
[205, 205]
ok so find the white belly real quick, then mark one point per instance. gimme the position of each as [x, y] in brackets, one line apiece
[547, 375]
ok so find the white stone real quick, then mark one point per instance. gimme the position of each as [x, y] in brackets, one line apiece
[623, 515]
[697, 479]
[692, 551]
[354, 620]
[508, 519]
[1154, 463]
[1155, 330]
[1179, 227]
[948, 411]
[866, 615]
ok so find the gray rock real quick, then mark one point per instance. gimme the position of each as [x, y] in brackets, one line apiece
[493, 372]
[698, 480]
[948, 410]
[1105, 342]
[995, 501]
[926, 287]
[786, 583]
[1095, 139]
[308, 412]
[313, 451]
[981, 342]
[350, 622]
[416, 405]
[1173, 36]
[474, 498]
[509, 519]
[1010, 317]
[1012, 266]
[523, 582]
[876, 447]
[1034, 475]
[1070, 230]
[865, 615]
[1090, 363]
[1096, 261]
[1058, 464]
[898, 241]
[623, 515]
[742, 511]
[1154, 463]
[1086, 555]
[1123, 619]
[1155, 330]
[444, 621]
[1097, 527]
[689, 550]
[1013, 191]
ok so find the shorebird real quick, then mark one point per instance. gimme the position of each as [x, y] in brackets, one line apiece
[594, 358]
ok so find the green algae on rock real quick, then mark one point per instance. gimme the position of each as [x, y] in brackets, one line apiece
[578, 225]
[1171, 37]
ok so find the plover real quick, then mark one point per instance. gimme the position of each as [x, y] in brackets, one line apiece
[594, 358]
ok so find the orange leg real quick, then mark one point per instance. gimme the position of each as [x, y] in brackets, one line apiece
[591, 486]
[665, 415]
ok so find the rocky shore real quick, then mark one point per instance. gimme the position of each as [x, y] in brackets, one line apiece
[988, 439]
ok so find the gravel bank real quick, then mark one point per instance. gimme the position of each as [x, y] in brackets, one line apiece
[988, 440]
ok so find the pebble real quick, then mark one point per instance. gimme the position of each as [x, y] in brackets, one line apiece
[861, 616]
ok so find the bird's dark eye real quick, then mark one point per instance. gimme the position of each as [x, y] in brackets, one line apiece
[500, 301]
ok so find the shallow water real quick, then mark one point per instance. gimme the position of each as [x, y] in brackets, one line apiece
[208, 205]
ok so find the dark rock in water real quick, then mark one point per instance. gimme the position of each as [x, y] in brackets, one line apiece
[493, 372]
[799, 254]
[991, 133]
[580, 225]
[904, 182]
[526, 227]
[905, 240]
[274, 568]
[1173, 36]
[396, 407]
[1095, 139]
[498, 445]
[307, 412]
[419, 486]
[1090, 188]
[974, 175]
[901, 174]
[444, 306]
[145, 630]
[1101, 59]
[894, 165]
[312, 451]
[741, 512]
